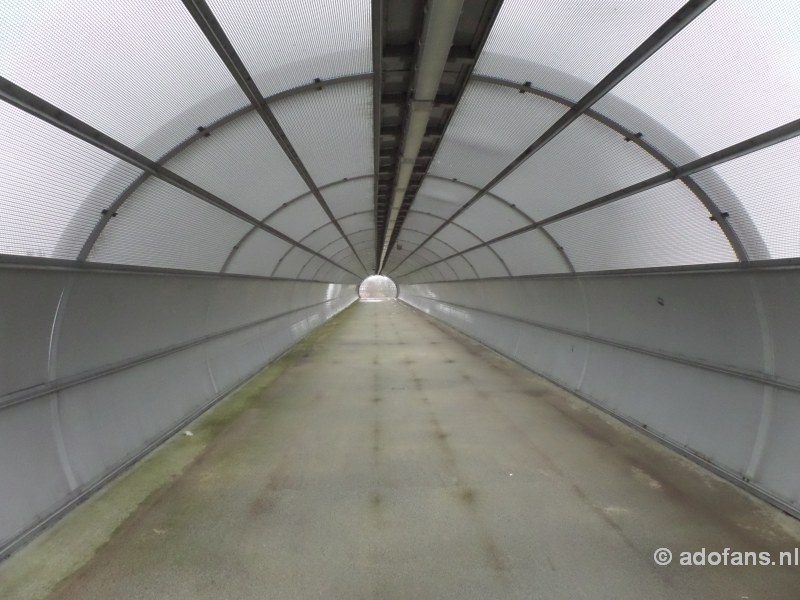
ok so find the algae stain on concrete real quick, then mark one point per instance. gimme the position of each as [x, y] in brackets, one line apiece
[36, 570]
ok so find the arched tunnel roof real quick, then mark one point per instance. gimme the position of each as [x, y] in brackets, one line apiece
[274, 139]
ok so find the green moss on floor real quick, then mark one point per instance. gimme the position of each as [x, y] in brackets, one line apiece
[36, 569]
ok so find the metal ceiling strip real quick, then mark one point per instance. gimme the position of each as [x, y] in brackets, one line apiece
[40, 108]
[211, 28]
[685, 15]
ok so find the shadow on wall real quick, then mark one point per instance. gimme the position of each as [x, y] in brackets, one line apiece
[377, 287]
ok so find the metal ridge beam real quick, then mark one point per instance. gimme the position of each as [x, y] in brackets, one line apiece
[211, 28]
[748, 146]
[674, 25]
[47, 112]
[377, 91]
[491, 10]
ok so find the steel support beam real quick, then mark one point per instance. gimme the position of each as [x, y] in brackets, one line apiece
[685, 15]
[753, 144]
[41, 109]
[205, 19]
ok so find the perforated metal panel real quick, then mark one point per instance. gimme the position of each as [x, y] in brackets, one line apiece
[322, 237]
[535, 38]
[441, 197]
[765, 184]
[258, 255]
[489, 217]
[162, 226]
[331, 129]
[299, 218]
[491, 126]
[729, 75]
[242, 163]
[140, 71]
[456, 237]
[421, 222]
[357, 222]
[531, 253]
[53, 187]
[287, 44]
[660, 227]
[486, 263]
[350, 197]
[585, 161]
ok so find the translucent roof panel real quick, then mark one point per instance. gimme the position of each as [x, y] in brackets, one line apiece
[139, 71]
[732, 73]
[162, 226]
[258, 254]
[53, 187]
[243, 164]
[350, 197]
[489, 217]
[664, 226]
[322, 237]
[420, 222]
[492, 125]
[766, 184]
[585, 161]
[299, 218]
[441, 197]
[288, 44]
[533, 39]
[331, 129]
[486, 263]
[531, 253]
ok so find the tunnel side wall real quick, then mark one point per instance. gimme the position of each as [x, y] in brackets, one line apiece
[97, 367]
[707, 362]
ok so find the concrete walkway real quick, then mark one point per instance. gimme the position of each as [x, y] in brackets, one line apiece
[397, 459]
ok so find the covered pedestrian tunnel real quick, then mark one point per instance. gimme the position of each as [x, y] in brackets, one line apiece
[606, 193]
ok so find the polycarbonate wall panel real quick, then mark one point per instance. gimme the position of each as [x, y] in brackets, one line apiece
[243, 164]
[489, 217]
[535, 38]
[258, 254]
[492, 125]
[463, 269]
[486, 263]
[299, 218]
[350, 197]
[585, 161]
[661, 227]
[421, 222]
[357, 222]
[729, 75]
[331, 129]
[162, 226]
[766, 184]
[325, 235]
[457, 237]
[531, 253]
[441, 197]
[288, 44]
[53, 188]
[139, 71]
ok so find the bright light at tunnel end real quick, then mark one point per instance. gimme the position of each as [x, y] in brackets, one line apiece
[377, 288]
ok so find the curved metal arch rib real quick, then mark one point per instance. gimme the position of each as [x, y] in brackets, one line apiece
[282, 207]
[694, 187]
[472, 233]
[177, 149]
[716, 214]
[308, 262]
